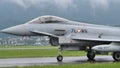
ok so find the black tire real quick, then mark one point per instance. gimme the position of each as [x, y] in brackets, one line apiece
[91, 55]
[59, 58]
[116, 56]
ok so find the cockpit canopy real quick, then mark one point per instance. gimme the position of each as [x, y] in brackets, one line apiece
[47, 19]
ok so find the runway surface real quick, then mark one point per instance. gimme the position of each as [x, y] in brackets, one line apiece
[51, 60]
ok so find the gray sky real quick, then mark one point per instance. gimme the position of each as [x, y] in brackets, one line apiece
[102, 4]
[94, 11]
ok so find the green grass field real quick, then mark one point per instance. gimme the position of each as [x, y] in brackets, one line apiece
[86, 65]
[23, 46]
[48, 51]
[34, 51]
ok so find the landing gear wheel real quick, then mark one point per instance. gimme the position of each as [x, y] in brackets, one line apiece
[116, 56]
[59, 58]
[91, 55]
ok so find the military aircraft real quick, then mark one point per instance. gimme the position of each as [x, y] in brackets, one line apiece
[72, 35]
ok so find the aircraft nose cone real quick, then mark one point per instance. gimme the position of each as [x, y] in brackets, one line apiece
[2, 31]
[16, 30]
[8, 30]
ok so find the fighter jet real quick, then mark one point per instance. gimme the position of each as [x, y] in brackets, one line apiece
[72, 35]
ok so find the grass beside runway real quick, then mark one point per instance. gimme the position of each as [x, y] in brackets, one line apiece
[25, 46]
[86, 65]
[34, 51]
[48, 51]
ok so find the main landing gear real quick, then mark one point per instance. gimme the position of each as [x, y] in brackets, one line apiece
[116, 56]
[91, 55]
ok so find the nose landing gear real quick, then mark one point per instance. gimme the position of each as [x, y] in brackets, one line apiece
[60, 57]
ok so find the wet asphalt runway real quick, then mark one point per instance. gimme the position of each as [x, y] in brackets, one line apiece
[51, 60]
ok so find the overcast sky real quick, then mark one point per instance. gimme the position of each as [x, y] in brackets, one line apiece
[101, 11]
[62, 4]
[101, 4]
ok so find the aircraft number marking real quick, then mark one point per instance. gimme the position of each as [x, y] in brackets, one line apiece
[79, 31]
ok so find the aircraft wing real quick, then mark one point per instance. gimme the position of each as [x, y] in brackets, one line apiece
[96, 38]
[43, 33]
